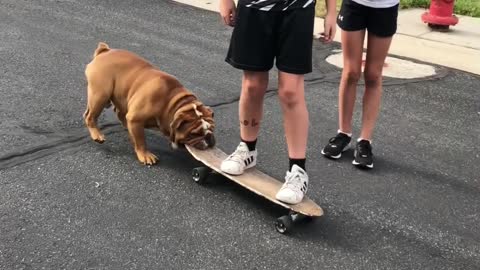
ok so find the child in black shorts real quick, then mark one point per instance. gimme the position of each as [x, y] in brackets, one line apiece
[356, 17]
[268, 31]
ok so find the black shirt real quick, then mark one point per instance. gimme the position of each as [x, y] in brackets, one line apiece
[277, 5]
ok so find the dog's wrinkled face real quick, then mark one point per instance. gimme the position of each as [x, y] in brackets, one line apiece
[193, 125]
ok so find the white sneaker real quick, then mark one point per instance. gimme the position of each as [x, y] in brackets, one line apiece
[240, 160]
[295, 186]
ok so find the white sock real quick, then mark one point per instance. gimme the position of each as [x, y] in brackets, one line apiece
[359, 139]
[348, 134]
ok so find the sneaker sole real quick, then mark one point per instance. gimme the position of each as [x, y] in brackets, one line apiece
[288, 200]
[337, 156]
[237, 174]
[370, 166]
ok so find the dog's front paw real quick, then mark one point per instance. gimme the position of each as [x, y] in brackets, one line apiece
[147, 158]
[98, 137]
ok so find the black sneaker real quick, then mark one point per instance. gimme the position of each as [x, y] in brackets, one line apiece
[363, 155]
[336, 145]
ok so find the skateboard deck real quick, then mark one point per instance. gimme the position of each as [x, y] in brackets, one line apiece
[257, 182]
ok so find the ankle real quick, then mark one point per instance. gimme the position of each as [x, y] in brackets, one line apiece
[300, 162]
[250, 144]
[346, 133]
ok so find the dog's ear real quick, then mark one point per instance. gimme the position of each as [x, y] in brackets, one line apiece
[206, 110]
[209, 109]
[178, 120]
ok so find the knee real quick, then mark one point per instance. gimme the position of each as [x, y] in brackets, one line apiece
[289, 97]
[372, 79]
[352, 77]
[255, 88]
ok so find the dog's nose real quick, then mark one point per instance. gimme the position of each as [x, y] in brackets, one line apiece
[210, 139]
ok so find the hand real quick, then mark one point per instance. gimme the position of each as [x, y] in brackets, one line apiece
[330, 28]
[227, 11]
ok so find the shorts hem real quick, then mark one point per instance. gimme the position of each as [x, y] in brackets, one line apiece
[378, 34]
[351, 29]
[247, 67]
[382, 35]
[293, 70]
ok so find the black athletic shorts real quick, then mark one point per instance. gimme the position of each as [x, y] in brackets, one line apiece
[260, 37]
[381, 22]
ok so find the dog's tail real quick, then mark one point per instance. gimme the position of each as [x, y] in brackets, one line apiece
[101, 48]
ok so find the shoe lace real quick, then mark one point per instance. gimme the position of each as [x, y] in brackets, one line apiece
[364, 148]
[293, 181]
[336, 140]
[239, 155]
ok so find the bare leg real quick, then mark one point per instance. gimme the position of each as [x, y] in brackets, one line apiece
[376, 54]
[254, 86]
[352, 46]
[295, 113]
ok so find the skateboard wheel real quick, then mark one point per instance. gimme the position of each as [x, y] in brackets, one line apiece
[283, 224]
[200, 174]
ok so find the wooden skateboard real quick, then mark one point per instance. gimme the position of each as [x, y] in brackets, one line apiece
[256, 181]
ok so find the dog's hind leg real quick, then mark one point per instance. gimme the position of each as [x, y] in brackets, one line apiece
[97, 101]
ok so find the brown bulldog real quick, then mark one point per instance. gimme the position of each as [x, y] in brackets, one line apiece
[144, 97]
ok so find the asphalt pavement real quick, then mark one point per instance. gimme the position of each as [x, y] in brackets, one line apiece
[69, 203]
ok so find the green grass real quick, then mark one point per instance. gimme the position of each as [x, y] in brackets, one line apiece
[462, 7]
[321, 9]
[468, 7]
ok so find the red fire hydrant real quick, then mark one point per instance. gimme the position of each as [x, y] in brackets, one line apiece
[440, 16]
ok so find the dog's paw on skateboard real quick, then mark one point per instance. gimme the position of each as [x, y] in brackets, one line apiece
[147, 158]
